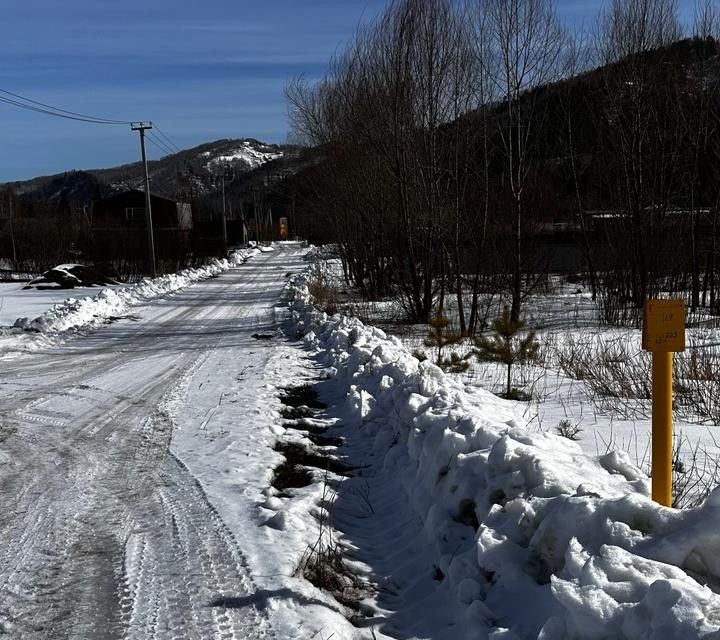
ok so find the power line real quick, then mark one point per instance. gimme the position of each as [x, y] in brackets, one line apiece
[173, 147]
[161, 141]
[41, 107]
[170, 142]
[161, 149]
[155, 141]
[51, 113]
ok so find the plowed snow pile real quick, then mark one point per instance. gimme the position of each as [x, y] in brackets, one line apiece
[74, 313]
[566, 546]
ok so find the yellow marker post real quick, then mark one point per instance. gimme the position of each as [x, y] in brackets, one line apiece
[663, 334]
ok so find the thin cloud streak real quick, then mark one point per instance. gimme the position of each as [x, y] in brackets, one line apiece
[202, 69]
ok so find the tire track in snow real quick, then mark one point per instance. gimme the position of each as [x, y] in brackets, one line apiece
[113, 354]
[106, 535]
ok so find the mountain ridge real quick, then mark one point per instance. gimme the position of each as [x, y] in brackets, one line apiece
[185, 175]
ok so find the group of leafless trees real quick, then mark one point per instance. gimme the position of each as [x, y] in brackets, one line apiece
[35, 236]
[38, 233]
[452, 135]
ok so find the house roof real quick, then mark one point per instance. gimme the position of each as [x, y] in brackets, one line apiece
[124, 194]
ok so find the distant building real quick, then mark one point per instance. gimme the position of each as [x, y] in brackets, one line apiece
[127, 210]
[119, 228]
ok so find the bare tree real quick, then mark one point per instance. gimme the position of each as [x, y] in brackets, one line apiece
[527, 44]
[638, 135]
[575, 107]
[386, 109]
[701, 119]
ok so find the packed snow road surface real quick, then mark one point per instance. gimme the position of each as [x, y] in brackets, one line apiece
[105, 534]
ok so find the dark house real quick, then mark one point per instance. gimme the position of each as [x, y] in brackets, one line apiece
[119, 228]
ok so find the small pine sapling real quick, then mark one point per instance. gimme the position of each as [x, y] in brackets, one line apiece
[420, 355]
[441, 336]
[506, 346]
[568, 430]
[455, 364]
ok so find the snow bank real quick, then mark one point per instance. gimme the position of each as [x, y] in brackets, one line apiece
[566, 545]
[74, 313]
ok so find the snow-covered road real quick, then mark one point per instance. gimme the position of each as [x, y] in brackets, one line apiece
[105, 533]
[139, 499]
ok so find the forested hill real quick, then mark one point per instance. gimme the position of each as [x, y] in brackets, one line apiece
[575, 131]
[187, 174]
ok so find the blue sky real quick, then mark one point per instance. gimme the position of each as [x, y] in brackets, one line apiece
[200, 69]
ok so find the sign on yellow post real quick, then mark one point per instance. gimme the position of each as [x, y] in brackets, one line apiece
[664, 326]
[663, 334]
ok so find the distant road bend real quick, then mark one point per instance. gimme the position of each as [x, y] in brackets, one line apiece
[103, 533]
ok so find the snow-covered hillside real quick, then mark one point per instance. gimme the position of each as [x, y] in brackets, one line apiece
[188, 171]
[248, 155]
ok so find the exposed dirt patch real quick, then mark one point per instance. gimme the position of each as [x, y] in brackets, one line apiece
[322, 564]
[325, 441]
[296, 413]
[298, 455]
[304, 425]
[301, 396]
[110, 319]
[327, 571]
[289, 476]
[315, 433]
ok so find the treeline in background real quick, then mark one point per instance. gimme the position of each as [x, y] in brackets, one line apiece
[478, 146]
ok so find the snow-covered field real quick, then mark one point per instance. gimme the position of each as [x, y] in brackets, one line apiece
[138, 442]
[33, 318]
[607, 416]
[16, 302]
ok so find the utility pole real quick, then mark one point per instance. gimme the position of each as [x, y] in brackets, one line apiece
[141, 127]
[256, 198]
[12, 230]
[244, 226]
[224, 219]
